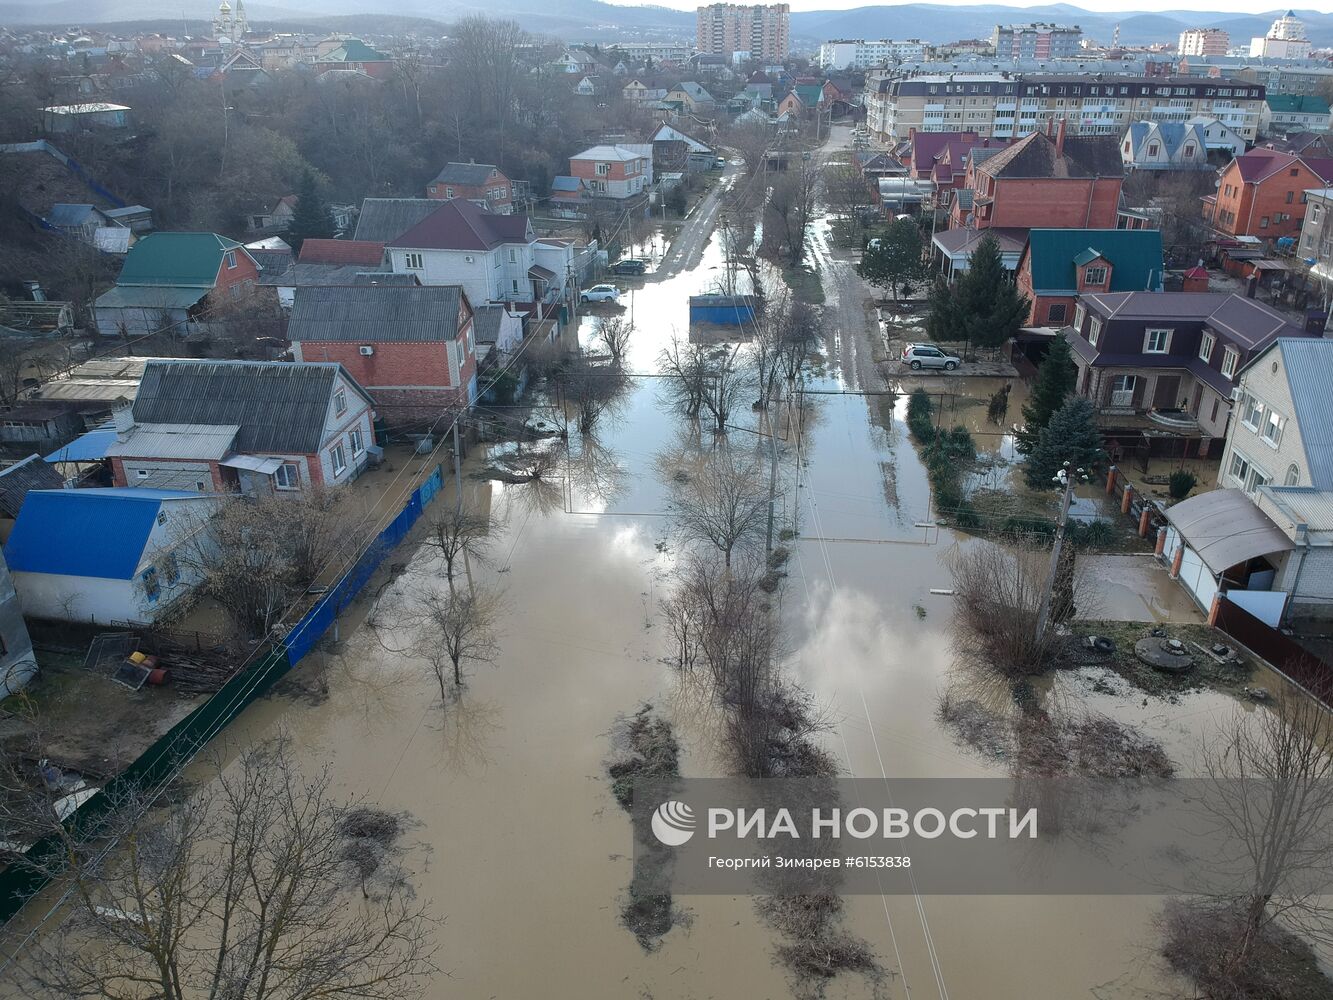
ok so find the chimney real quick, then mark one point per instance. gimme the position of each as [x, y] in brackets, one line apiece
[1060, 138]
[1050, 124]
[1251, 285]
[123, 416]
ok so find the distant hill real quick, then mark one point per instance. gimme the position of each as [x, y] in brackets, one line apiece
[596, 20]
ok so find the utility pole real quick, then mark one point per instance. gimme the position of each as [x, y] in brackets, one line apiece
[772, 480]
[1066, 480]
[458, 465]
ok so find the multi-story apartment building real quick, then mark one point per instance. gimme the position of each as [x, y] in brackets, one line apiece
[1036, 41]
[1203, 42]
[672, 52]
[1009, 105]
[1285, 40]
[1316, 241]
[858, 53]
[762, 30]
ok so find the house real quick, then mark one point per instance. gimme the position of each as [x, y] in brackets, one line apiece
[636, 93]
[924, 148]
[17, 481]
[479, 182]
[791, 107]
[105, 555]
[1050, 181]
[1166, 363]
[495, 258]
[1059, 265]
[17, 664]
[1294, 113]
[38, 425]
[412, 348]
[1219, 138]
[876, 164]
[612, 171]
[354, 55]
[366, 254]
[79, 221]
[568, 197]
[64, 118]
[1316, 242]
[590, 86]
[955, 246]
[692, 97]
[136, 218]
[498, 332]
[172, 281]
[574, 61]
[311, 274]
[278, 218]
[1279, 453]
[1262, 193]
[670, 133]
[383, 219]
[1164, 146]
[257, 427]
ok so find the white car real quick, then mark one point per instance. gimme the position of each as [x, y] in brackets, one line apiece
[918, 356]
[600, 293]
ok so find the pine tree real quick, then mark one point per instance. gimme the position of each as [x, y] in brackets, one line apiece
[1055, 381]
[1070, 436]
[992, 306]
[944, 323]
[311, 218]
[896, 259]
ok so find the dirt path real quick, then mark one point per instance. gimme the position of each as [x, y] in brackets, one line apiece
[688, 247]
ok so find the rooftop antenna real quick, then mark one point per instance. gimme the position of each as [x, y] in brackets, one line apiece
[1115, 36]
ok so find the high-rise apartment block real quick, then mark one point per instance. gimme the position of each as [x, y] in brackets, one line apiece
[1203, 42]
[858, 53]
[1037, 41]
[762, 30]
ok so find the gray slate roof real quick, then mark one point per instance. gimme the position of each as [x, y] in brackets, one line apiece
[385, 219]
[486, 324]
[279, 406]
[465, 174]
[380, 313]
[30, 474]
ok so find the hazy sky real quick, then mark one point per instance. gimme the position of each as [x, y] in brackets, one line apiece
[1103, 6]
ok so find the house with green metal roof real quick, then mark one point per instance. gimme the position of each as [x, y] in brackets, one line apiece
[172, 281]
[355, 55]
[1283, 113]
[1058, 265]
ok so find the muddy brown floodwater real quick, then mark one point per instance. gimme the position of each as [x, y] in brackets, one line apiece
[530, 854]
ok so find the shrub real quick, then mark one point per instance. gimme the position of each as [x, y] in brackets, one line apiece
[1180, 483]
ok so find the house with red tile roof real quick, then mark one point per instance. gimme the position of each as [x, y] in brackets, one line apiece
[1263, 193]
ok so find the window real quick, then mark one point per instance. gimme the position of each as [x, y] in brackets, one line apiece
[1206, 345]
[1291, 196]
[1272, 432]
[1095, 276]
[448, 192]
[288, 476]
[1056, 314]
[1293, 476]
[340, 402]
[338, 456]
[1251, 412]
[141, 473]
[1153, 148]
[358, 446]
[1080, 314]
[1189, 150]
[1157, 341]
[1230, 359]
[1094, 330]
[152, 587]
[1263, 222]
[603, 169]
[513, 255]
[231, 259]
[1240, 468]
[413, 261]
[171, 570]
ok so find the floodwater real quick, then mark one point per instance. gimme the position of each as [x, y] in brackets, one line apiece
[529, 853]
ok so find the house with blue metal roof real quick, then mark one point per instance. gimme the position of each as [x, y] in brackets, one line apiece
[104, 555]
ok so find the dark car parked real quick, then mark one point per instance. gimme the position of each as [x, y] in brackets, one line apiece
[629, 265]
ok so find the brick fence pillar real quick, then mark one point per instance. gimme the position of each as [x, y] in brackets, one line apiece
[1110, 480]
[1175, 563]
[1143, 521]
[1161, 542]
[1126, 498]
[1214, 610]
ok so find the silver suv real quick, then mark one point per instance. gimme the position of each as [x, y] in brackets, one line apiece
[918, 356]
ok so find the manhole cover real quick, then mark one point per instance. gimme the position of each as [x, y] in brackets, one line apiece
[1170, 656]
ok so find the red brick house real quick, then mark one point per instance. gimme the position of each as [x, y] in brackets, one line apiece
[612, 171]
[173, 281]
[482, 183]
[412, 347]
[1043, 181]
[1263, 193]
[255, 427]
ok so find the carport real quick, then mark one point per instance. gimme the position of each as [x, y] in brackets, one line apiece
[1220, 541]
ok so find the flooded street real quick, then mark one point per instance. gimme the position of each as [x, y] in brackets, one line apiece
[528, 852]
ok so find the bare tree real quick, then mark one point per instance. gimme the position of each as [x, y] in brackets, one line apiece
[751, 141]
[613, 333]
[846, 191]
[725, 381]
[456, 531]
[253, 556]
[685, 366]
[454, 628]
[719, 499]
[789, 210]
[1269, 779]
[239, 890]
[589, 393]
